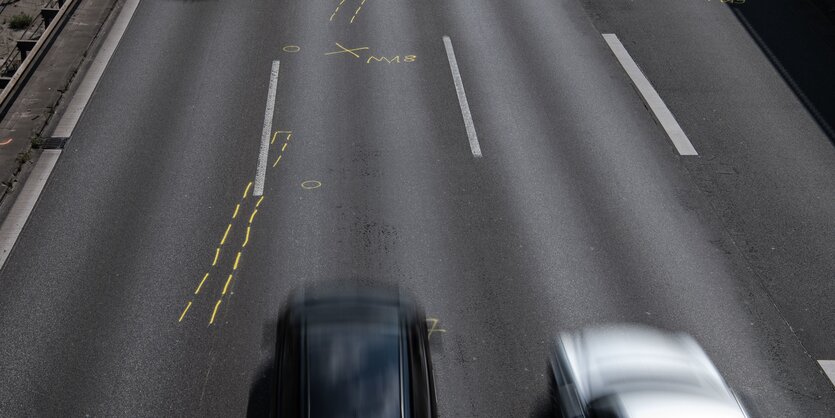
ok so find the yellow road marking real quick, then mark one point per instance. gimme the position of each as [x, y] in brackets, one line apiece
[237, 208]
[246, 192]
[226, 234]
[357, 11]
[217, 254]
[200, 286]
[226, 286]
[253, 216]
[276, 161]
[344, 50]
[434, 328]
[284, 147]
[183, 315]
[237, 259]
[259, 201]
[337, 9]
[217, 305]
[274, 135]
[288, 136]
[246, 241]
[311, 184]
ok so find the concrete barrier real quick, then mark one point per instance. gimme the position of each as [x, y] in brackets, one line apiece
[33, 52]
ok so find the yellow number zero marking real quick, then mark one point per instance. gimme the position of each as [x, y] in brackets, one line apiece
[217, 254]
[253, 216]
[183, 315]
[291, 48]
[311, 184]
[246, 240]
[226, 234]
[237, 208]
[226, 286]
[276, 161]
[237, 260]
[200, 286]
[214, 312]
[246, 191]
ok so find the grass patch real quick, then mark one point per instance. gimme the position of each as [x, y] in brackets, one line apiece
[20, 21]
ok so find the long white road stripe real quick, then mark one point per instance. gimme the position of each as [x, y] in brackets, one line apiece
[828, 368]
[88, 84]
[266, 132]
[25, 202]
[462, 98]
[662, 113]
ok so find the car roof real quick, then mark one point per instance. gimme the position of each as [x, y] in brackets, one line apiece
[621, 359]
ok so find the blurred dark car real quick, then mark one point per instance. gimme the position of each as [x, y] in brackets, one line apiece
[637, 372]
[352, 352]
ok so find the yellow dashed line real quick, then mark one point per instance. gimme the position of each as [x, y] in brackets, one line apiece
[237, 208]
[226, 286]
[226, 234]
[259, 202]
[253, 216]
[200, 286]
[274, 135]
[284, 147]
[276, 161]
[183, 315]
[357, 11]
[246, 241]
[237, 260]
[337, 9]
[217, 255]
[289, 136]
[214, 313]
[246, 192]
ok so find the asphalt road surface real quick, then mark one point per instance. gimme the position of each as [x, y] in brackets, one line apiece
[580, 211]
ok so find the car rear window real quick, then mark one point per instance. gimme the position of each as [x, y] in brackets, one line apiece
[354, 369]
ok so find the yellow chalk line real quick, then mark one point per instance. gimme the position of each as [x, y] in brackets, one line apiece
[357, 11]
[183, 315]
[214, 313]
[226, 286]
[200, 286]
[337, 10]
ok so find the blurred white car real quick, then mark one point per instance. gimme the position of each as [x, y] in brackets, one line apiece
[637, 372]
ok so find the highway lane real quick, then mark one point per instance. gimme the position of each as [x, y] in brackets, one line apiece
[580, 212]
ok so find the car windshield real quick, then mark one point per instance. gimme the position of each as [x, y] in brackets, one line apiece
[354, 369]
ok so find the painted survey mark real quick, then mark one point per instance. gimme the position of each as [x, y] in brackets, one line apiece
[353, 6]
[364, 54]
[432, 327]
[311, 184]
[226, 258]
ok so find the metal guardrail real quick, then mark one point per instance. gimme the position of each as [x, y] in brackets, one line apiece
[18, 64]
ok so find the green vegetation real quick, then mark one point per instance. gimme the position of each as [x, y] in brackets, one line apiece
[20, 21]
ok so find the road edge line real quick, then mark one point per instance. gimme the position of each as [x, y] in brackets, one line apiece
[78, 103]
[25, 203]
[266, 133]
